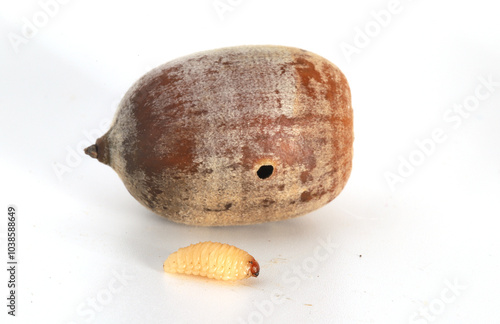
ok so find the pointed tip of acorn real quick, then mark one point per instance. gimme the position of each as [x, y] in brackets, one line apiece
[91, 151]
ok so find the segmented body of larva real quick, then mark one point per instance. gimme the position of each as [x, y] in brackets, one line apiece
[212, 260]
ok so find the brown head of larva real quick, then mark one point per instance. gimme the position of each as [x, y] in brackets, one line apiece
[234, 136]
[254, 268]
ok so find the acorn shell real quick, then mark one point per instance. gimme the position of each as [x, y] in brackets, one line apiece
[238, 135]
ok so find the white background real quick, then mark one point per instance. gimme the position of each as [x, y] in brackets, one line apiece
[424, 249]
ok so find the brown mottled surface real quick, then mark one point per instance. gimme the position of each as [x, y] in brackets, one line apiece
[190, 135]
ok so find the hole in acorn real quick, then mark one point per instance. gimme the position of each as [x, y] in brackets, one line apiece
[265, 171]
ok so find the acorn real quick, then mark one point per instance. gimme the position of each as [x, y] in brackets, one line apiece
[234, 136]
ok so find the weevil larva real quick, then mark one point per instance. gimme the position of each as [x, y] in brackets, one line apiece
[213, 260]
